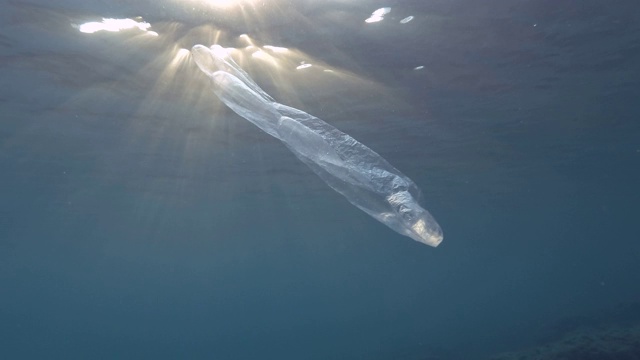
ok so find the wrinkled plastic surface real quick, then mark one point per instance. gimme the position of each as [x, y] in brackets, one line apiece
[362, 176]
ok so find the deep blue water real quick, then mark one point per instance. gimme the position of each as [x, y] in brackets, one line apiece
[141, 219]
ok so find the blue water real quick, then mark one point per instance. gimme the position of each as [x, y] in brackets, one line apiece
[141, 219]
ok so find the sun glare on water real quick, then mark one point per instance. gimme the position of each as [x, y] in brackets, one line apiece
[221, 3]
[113, 25]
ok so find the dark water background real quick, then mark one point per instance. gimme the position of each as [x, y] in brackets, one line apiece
[139, 219]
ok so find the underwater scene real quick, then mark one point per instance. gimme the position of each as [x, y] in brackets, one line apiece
[320, 179]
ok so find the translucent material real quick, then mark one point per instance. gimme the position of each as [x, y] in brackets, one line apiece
[358, 173]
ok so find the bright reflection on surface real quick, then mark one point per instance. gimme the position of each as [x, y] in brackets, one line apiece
[265, 57]
[182, 53]
[276, 56]
[406, 20]
[114, 25]
[246, 38]
[378, 15]
[276, 49]
[259, 54]
[221, 3]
